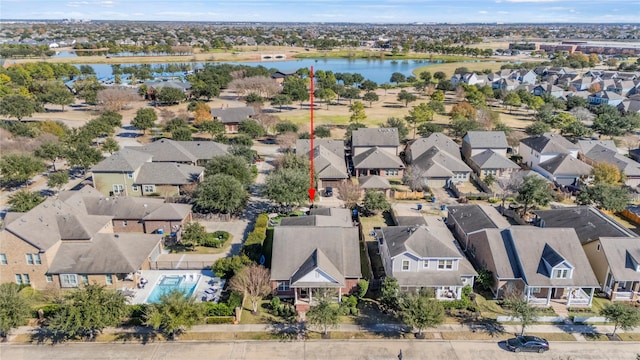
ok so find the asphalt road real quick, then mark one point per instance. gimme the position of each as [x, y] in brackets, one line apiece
[326, 349]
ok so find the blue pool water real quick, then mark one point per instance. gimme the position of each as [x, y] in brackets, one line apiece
[167, 283]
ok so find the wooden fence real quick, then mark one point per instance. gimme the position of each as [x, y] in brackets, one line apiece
[407, 195]
[180, 265]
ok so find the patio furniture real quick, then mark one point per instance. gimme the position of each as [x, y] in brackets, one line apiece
[211, 291]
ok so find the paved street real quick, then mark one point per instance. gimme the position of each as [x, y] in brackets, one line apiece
[321, 349]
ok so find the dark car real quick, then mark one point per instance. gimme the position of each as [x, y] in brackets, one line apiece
[328, 191]
[528, 343]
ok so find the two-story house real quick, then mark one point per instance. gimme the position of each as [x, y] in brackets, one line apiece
[486, 153]
[594, 152]
[616, 264]
[375, 152]
[329, 160]
[540, 148]
[425, 257]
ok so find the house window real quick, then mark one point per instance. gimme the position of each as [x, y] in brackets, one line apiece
[49, 278]
[149, 188]
[535, 290]
[598, 247]
[561, 273]
[134, 188]
[445, 264]
[459, 176]
[488, 172]
[29, 259]
[124, 222]
[3, 259]
[68, 280]
[25, 279]
[391, 172]
[425, 264]
[283, 286]
[18, 279]
[130, 175]
[118, 188]
[108, 279]
[405, 265]
[36, 259]
[85, 279]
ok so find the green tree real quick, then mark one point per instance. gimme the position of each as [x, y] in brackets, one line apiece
[389, 293]
[512, 100]
[57, 179]
[194, 234]
[220, 193]
[83, 155]
[429, 128]
[50, 151]
[520, 309]
[227, 267]
[19, 168]
[17, 106]
[534, 191]
[174, 314]
[325, 313]
[370, 97]
[357, 112]
[251, 128]
[24, 200]
[399, 124]
[327, 95]
[87, 311]
[575, 129]
[59, 95]
[182, 134]
[363, 287]
[439, 75]
[607, 173]
[322, 132]
[420, 312]
[368, 85]
[406, 97]
[438, 96]
[15, 308]
[254, 282]
[623, 316]
[235, 166]
[386, 86]
[168, 96]
[145, 119]
[460, 126]
[296, 89]
[605, 196]
[537, 128]
[280, 100]
[110, 145]
[419, 115]
[397, 78]
[288, 186]
[213, 127]
[285, 127]
[375, 201]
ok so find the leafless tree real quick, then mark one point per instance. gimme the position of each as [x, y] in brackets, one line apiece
[287, 140]
[260, 85]
[510, 185]
[583, 115]
[253, 281]
[350, 193]
[182, 50]
[116, 98]
[414, 178]
[265, 120]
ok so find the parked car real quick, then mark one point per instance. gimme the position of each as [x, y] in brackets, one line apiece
[527, 343]
[328, 191]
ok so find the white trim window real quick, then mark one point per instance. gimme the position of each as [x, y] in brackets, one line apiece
[84, 278]
[108, 278]
[283, 286]
[37, 259]
[19, 279]
[134, 188]
[26, 279]
[3, 259]
[130, 175]
[445, 264]
[561, 273]
[405, 265]
[29, 258]
[148, 189]
[118, 188]
[68, 280]
[425, 264]
[391, 172]
[49, 278]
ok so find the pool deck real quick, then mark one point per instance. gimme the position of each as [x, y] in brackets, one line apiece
[153, 277]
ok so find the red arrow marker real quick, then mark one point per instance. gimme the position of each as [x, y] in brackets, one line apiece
[312, 190]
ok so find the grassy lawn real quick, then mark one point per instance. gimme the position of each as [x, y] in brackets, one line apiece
[178, 249]
[467, 335]
[370, 314]
[596, 337]
[597, 305]
[489, 308]
[365, 265]
[555, 336]
[629, 336]
[449, 68]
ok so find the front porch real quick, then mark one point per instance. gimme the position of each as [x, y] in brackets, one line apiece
[305, 297]
[623, 291]
[570, 296]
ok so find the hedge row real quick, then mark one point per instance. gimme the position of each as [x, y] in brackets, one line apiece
[253, 244]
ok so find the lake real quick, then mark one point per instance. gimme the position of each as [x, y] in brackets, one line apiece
[376, 70]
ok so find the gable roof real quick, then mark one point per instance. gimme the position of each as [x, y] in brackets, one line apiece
[375, 137]
[549, 143]
[374, 182]
[125, 160]
[167, 150]
[600, 153]
[588, 222]
[486, 139]
[421, 145]
[417, 240]
[232, 115]
[623, 255]
[488, 159]
[328, 165]
[318, 261]
[502, 257]
[566, 165]
[438, 163]
[168, 174]
[375, 158]
[293, 245]
[104, 254]
[471, 218]
[586, 145]
[321, 217]
[303, 146]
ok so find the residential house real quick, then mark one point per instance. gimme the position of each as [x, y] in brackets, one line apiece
[505, 84]
[490, 163]
[469, 79]
[309, 259]
[623, 87]
[565, 170]
[604, 151]
[375, 182]
[185, 152]
[280, 75]
[464, 220]
[629, 106]
[588, 222]
[329, 160]
[583, 83]
[385, 139]
[425, 257]
[438, 168]
[540, 148]
[616, 264]
[539, 264]
[547, 89]
[58, 245]
[419, 146]
[475, 142]
[526, 77]
[153, 87]
[325, 217]
[377, 161]
[232, 117]
[605, 97]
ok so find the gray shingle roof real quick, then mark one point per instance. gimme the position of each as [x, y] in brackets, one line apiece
[491, 160]
[417, 240]
[321, 217]
[501, 256]
[601, 153]
[586, 145]
[549, 143]
[566, 165]
[421, 145]
[167, 150]
[472, 218]
[375, 137]
[374, 182]
[439, 163]
[318, 261]
[335, 146]
[168, 174]
[125, 160]
[486, 139]
[376, 158]
[328, 165]
[623, 255]
[232, 115]
[293, 245]
[588, 222]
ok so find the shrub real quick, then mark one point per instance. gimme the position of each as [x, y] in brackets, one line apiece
[363, 287]
[48, 311]
[220, 309]
[262, 221]
[275, 303]
[493, 200]
[220, 320]
[137, 311]
[235, 300]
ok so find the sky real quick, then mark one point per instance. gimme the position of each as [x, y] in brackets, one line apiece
[356, 11]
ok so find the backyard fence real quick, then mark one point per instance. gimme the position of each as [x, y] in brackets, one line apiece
[407, 195]
[180, 265]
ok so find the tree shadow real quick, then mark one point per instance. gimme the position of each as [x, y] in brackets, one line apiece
[143, 337]
[43, 336]
[373, 319]
[488, 326]
[288, 329]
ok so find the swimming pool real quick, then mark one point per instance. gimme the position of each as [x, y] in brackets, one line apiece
[185, 283]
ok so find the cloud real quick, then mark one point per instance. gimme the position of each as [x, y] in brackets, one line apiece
[530, 1]
[483, 12]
